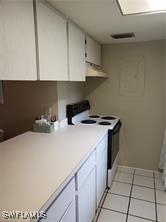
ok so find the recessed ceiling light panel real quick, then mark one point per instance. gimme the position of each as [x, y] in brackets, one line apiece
[129, 7]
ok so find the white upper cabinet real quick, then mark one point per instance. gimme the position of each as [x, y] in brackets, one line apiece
[52, 43]
[76, 41]
[17, 40]
[93, 51]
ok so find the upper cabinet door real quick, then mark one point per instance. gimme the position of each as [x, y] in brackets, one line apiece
[52, 43]
[76, 41]
[17, 40]
[93, 51]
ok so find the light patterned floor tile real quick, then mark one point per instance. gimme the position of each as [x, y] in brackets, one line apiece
[136, 219]
[111, 216]
[161, 197]
[124, 169]
[120, 188]
[143, 193]
[144, 181]
[142, 208]
[117, 199]
[161, 212]
[142, 172]
[117, 203]
[158, 184]
[123, 177]
[158, 175]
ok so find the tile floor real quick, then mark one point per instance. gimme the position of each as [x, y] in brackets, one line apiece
[136, 195]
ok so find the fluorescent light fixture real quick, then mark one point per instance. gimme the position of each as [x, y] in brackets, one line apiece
[129, 7]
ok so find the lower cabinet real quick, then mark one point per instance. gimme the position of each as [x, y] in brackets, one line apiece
[81, 197]
[101, 168]
[63, 208]
[87, 198]
[86, 186]
[70, 214]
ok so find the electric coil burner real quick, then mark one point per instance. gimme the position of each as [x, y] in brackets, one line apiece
[94, 116]
[88, 121]
[104, 123]
[108, 117]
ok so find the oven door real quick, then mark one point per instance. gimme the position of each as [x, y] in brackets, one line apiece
[113, 144]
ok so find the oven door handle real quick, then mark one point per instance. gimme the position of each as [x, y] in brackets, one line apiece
[117, 128]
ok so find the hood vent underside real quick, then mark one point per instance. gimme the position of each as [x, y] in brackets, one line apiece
[123, 35]
[95, 71]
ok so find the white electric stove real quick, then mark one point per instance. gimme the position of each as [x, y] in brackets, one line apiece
[79, 114]
[87, 118]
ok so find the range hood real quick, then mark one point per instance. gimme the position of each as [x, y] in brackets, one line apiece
[95, 71]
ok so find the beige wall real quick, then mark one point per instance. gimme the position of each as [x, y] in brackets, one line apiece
[24, 101]
[165, 80]
[68, 92]
[142, 116]
[165, 67]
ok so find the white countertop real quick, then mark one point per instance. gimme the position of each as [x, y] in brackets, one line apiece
[34, 166]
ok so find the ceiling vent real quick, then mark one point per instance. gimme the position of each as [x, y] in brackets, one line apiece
[123, 35]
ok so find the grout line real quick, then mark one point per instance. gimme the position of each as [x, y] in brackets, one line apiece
[143, 186]
[135, 184]
[161, 203]
[144, 176]
[130, 196]
[121, 182]
[159, 189]
[143, 200]
[103, 199]
[101, 206]
[124, 172]
[104, 208]
[122, 195]
[117, 211]
[137, 174]
[142, 217]
[155, 197]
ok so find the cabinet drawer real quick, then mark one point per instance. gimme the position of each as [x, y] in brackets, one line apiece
[102, 146]
[86, 169]
[57, 210]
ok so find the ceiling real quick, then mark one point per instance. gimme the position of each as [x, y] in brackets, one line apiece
[101, 18]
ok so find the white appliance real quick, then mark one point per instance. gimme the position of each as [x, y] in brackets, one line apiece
[95, 71]
[79, 113]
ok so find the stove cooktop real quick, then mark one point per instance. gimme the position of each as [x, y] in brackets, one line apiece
[104, 123]
[88, 121]
[94, 116]
[107, 121]
[108, 117]
[102, 117]
[92, 119]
